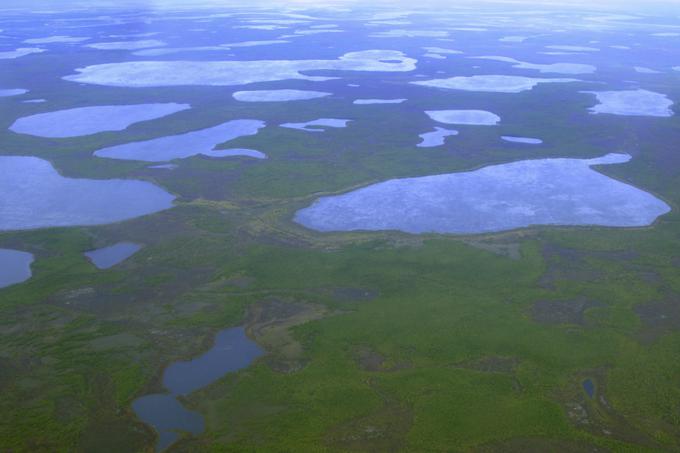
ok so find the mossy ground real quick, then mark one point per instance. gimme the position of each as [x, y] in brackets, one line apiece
[78, 344]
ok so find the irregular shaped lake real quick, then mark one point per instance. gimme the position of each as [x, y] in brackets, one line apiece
[127, 45]
[436, 137]
[495, 198]
[107, 257]
[221, 47]
[524, 140]
[183, 145]
[278, 95]
[55, 40]
[167, 416]
[232, 72]
[236, 152]
[91, 120]
[490, 83]
[440, 51]
[7, 92]
[21, 52]
[643, 70]
[632, 103]
[317, 125]
[574, 48]
[34, 195]
[464, 117]
[556, 68]
[163, 166]
[15, 267]
[232, 351]
[377, 101]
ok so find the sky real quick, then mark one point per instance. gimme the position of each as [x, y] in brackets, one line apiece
[639, 6]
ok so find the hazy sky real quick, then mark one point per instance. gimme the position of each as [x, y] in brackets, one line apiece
[641, 6]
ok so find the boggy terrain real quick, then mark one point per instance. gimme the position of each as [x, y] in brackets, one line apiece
[538, 338]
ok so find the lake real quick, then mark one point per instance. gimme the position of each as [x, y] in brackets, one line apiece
[494, 198]
[231, 351]
[34, 195]
[15, 267]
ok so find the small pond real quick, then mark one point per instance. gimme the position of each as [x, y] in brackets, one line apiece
[15, 267]
[232, 351]
[107, 257]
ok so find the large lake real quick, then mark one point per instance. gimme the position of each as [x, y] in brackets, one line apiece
[91, 120]
[495, 198]
[34, 195]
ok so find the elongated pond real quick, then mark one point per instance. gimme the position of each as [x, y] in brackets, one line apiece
[232, 351]
[107, 257]
[181, 146]
[91, 120]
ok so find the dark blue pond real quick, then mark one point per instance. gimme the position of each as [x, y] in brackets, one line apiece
[107, 257]
[15, 267]
[168, 417]
[589, 387]
[232, 351]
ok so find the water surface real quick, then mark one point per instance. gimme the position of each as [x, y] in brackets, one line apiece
[523, 140]
[436, 137]
[490, 83]
[59, 39]
[491, 199]
[554, 68]
[377, 101]
[236, 152]
[589, 387]
[464, 117]
[168, 417]
[127, 45]
[234, 72]
[20, 52]
[184, 145]
[34, 195]
[15, 267]
[107, 257]
[91, 120]
[231, 351]
[317, 125]
[632, 103]
[7, 92]
[278, 95]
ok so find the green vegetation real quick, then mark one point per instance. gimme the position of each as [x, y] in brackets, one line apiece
[446, 353]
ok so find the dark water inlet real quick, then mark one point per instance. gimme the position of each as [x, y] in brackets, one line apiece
[232, 351]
